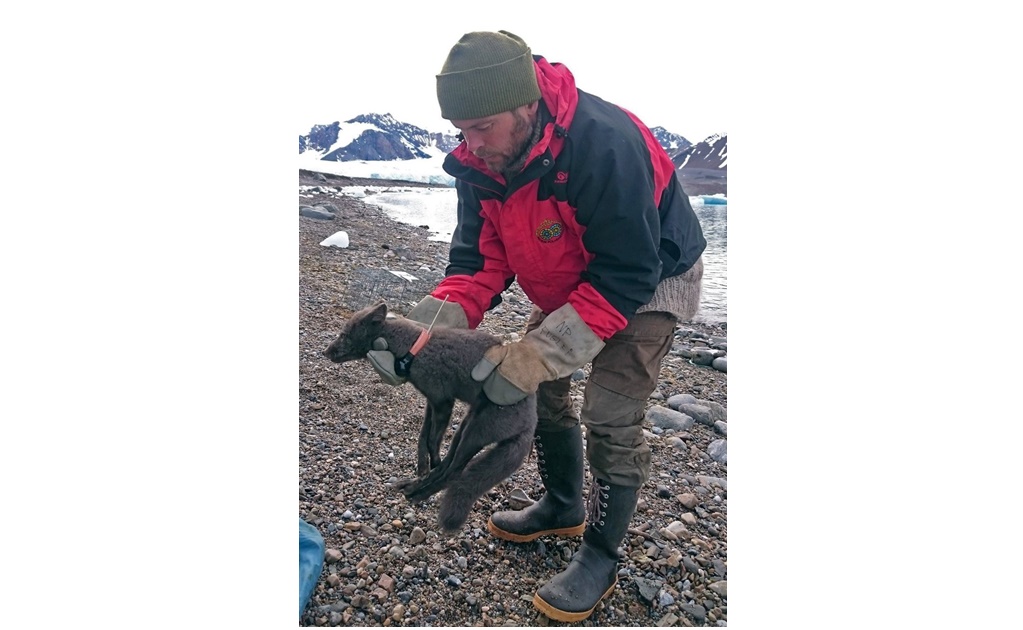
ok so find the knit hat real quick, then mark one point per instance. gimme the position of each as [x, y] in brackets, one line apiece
[486, 74]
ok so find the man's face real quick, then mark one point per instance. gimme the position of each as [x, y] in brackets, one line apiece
[500, 138]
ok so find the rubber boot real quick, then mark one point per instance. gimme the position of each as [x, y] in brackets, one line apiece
[560, 511]
[593, 572]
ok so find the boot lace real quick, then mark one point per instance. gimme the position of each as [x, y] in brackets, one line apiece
[541, 462]
[597, 503]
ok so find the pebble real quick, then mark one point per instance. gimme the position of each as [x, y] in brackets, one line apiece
[677, 528]
[699, 613]
[417, 536]
[517, 499]
[689, 565]
[688, 500]
[710, 482]
[648, 589]
[332, 555]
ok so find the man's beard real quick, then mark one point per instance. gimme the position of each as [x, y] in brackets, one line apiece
[522, 142]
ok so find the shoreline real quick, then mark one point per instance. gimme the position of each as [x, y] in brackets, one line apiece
[387, 563]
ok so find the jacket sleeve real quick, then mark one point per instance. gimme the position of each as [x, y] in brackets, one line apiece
[616, 200]
[478, 269]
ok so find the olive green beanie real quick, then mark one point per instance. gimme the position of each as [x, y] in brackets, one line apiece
[486, 74]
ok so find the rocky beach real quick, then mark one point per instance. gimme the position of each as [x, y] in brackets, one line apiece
[387, 562]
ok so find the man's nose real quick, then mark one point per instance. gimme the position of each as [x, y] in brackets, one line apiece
[473, 141]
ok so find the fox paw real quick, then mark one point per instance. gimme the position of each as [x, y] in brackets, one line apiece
[406, 485]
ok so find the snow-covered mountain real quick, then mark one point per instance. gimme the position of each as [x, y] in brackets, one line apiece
[378, 143]
[711, 153]
[372, 137]
[672, 142]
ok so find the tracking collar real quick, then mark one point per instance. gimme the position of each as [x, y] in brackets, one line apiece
[402, 365]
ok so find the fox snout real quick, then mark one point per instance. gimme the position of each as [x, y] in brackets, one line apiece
[345, 348]
[335, 352]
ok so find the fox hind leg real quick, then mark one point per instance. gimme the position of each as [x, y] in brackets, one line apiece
[483, 473]
[471, 437]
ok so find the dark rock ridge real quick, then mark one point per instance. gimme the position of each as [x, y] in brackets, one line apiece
[703, 167]
[709, 154]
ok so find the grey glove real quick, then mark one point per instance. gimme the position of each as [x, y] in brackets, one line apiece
[383, 362]
[447, 314]
[562, 344]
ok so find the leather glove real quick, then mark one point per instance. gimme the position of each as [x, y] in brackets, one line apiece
[448, 314]
[562, 344]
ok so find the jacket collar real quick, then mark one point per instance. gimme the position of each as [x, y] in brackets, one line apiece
[559, 99]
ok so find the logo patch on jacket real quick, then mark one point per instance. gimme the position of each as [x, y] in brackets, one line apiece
[561, 177]
[549, 230]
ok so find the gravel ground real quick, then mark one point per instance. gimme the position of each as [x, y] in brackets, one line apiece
[387, 562]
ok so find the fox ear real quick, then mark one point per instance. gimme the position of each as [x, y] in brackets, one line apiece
[379, 312]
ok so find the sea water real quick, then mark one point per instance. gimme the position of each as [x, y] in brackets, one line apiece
[436, 209]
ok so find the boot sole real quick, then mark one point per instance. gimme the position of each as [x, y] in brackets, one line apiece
[563, 615]
[521, 538]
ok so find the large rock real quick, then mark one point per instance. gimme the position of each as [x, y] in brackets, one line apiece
[700, 413]
[665, 418]
[316, 213]
[678, 400]
[718, 451]
[703, 356]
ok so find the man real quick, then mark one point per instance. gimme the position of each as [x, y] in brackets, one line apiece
[573, 197]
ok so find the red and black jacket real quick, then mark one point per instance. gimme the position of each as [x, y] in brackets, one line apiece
[597, 216]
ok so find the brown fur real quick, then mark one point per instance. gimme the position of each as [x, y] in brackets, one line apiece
[441, 372]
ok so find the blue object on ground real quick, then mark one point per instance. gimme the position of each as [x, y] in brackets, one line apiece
[310, 562]
[714, 201]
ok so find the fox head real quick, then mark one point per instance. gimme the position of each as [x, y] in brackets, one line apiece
[357, 334]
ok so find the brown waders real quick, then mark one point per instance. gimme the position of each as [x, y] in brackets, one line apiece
[622, 378]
